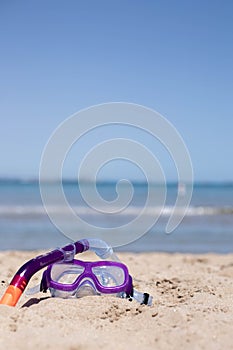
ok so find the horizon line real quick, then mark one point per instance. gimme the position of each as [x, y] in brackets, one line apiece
[67, 180]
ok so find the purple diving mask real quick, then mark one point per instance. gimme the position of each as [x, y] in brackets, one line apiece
[78, 278]
[66, 277]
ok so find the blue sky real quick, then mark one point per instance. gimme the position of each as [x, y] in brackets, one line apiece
[58, 57]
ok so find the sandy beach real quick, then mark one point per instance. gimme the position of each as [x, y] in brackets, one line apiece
[192, 308]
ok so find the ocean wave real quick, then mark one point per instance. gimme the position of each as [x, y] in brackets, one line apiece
[39, 211]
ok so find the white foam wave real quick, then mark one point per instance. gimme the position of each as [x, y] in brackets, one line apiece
[38, 210]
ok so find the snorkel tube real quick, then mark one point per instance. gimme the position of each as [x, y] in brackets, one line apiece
[22, 277]
[67, 253]
[24, 274]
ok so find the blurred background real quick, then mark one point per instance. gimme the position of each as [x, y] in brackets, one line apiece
[175, 57]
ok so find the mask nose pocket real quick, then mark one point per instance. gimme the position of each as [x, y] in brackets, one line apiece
[86, 288]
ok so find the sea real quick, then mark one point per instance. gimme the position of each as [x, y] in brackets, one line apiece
[207, 226]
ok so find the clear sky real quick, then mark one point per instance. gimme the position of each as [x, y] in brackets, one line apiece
[60, 56]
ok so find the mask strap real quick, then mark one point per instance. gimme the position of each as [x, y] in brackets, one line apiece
[142, 298]
[33, 290]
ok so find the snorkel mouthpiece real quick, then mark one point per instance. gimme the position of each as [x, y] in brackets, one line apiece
[100, 248]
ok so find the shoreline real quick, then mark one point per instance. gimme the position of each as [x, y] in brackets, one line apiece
[192, 307]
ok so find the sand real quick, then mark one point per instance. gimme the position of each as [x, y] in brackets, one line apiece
[192, 308]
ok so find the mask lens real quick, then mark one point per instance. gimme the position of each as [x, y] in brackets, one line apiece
[109, 276]
[66, 273]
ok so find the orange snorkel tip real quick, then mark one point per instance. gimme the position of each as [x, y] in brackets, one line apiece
[11, 296]
[14, 291]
